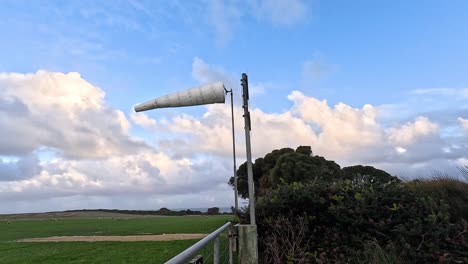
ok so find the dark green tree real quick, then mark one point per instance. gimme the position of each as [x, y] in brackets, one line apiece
[368, 173]
[213, 211]
[260, 168]
[297, 167]
[276, 165]
[306, 150]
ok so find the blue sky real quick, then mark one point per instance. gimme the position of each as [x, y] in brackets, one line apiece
[408, 59]
[369, 51]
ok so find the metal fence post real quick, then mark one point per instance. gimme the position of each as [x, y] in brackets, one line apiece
[248, 253]
[231, 238]
[216, 251]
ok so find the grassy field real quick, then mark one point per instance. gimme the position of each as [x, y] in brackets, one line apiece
[100, 252]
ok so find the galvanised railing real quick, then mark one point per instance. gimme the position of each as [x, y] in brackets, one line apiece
[188, 254]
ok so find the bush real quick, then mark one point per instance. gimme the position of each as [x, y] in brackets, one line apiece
[309, 210]
[342, 216]
[373, 253]
[287, 239]
[451, 190]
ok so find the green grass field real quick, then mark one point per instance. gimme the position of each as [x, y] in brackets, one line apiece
[100, 252]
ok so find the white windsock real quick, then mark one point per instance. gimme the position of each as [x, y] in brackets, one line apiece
[213, 93]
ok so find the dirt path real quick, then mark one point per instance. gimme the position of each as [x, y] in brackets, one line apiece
[165, 237]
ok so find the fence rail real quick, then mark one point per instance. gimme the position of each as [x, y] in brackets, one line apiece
[190, 252]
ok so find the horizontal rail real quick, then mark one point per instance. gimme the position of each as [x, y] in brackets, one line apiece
[185, 255]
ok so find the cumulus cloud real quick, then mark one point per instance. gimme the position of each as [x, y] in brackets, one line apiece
[148, 172]
[143, 120]
[348, 135]
[343, 129]
[205, 73]
[93, 153]
[23, 168]
[412, 131]
[60, 111]
[340, 132]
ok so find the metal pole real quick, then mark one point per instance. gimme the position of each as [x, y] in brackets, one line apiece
[247, 128]
[234, 153]
[216, 251]
[231, 242]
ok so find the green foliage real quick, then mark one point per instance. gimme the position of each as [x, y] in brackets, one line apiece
[261, 170]
[284, 165]
[297, 167]
[306, 150]
[450, 190]
[343, 215]
[367, 173]
[357, 214]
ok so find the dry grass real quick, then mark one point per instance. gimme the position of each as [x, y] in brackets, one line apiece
[374, 254]
[452, 190]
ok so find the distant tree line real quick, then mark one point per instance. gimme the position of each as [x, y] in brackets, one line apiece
[163, 211]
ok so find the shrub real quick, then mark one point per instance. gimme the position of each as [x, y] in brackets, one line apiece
[287, 239]
[373, 253]
[342, 215]
[309, 210]
[451, 190]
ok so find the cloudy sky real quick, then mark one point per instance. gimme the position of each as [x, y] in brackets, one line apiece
[382, 83]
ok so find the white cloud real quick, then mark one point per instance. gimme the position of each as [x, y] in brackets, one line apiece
[281, 12]
[343, 133]
[409, 133]
[60, 111]
[463, 123]
[25, 167]
[343, 129]
[94, 154]
[443, 91]
[224, 16]
[147, 172]
[257, 89]
[205, 73]
[143, 120]
[348, 135]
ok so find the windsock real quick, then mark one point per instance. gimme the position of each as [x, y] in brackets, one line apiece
[213, 93]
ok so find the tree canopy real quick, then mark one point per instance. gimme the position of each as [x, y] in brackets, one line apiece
[287, 165]
[310, 210]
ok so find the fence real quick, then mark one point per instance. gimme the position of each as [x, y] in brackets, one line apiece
[222, 243]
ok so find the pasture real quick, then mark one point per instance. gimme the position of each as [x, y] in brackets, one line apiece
[12, 230]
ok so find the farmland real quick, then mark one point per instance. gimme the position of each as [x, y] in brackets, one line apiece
[13, 229]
